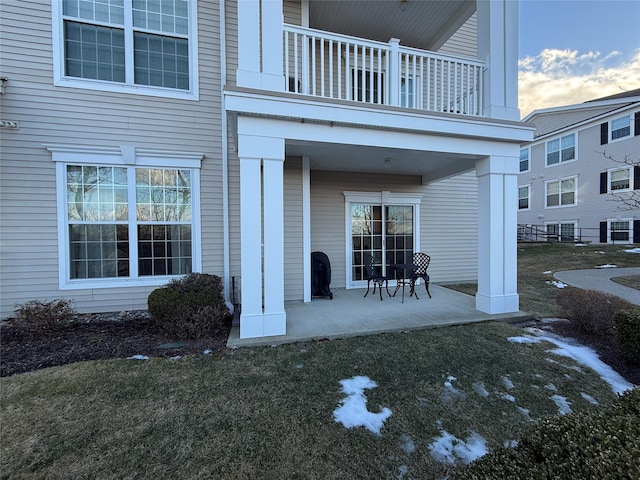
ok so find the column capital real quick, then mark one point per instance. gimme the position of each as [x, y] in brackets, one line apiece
[498, 165]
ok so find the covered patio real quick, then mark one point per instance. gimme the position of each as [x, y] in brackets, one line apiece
[351, 315]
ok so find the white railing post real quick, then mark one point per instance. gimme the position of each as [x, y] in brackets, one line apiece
[394, 73]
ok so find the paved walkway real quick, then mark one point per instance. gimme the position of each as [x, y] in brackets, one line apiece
[600, 279]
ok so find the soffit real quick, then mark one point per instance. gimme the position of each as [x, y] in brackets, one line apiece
[417, 23]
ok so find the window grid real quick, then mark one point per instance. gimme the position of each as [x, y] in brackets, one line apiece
[94, 42]
[98, 208]
[620, 230]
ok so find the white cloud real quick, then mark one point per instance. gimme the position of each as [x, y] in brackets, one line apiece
[564, 77]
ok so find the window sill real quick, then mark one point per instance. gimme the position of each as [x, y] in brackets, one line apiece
[93, 284]
[127, 89]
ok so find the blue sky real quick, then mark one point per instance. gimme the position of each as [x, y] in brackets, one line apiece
[577, 50]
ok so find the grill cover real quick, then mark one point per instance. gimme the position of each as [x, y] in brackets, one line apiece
[320, 275]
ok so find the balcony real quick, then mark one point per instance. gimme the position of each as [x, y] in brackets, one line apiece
[342, 67]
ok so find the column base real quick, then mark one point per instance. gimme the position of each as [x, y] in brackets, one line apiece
[263, 325]
[497, 303]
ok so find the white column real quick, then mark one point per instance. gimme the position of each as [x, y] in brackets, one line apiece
[272, 45]
[306, 227]
[248, 72]
[274, 314]
[261, 235]
[498, 47]
[250, 246]
[497, 234]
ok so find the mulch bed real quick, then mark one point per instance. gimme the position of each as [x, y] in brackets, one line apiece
[96, 337]
[125, 334]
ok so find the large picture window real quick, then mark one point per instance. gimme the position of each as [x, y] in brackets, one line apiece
[148, 45]
[126, 223]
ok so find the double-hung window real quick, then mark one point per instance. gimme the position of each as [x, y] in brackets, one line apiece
[126, 222]
[523, 197]
[561, 149]
[524, 160]
[621, 127]
[561, 193]
[620, 179]
[136, 46]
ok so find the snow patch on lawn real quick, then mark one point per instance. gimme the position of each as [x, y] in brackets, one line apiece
[448, 449]
[562, 403]
[607, 266]
[480, 389]
[138, 357]
[581, 354]
[589, 398]
[555, 283]
[353, 410]
[633, 250]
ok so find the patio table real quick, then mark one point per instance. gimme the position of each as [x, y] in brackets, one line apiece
[404, 275]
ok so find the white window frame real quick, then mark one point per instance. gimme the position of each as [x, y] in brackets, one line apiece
[376, 198]
[559, 181]
[60, 80]
[560, 161]
[610, 173]
[528, 187]
[123, 156]
[630, 240]
[528, 155]
[631, 128]
[559, 225]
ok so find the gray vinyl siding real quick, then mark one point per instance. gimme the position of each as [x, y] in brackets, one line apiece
[49, 114]
[465, 41]
[449, 228]
[292, 11]
[592, 207]
[293, 234]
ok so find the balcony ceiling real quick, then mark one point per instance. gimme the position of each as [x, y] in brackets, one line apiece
[423, 24]
[358, 158]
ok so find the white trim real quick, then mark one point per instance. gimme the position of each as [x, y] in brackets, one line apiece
[560, 180]
[60, 80]
[630, 230]
[64, 155]
[528, 186]
[631, 187]
[632, 132]
[306, 227]
[587, 105]
[560, 161]
[528, 149]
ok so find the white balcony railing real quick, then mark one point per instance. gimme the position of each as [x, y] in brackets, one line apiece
[348, 68]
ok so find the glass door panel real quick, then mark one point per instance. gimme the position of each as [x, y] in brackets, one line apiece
[386, 232]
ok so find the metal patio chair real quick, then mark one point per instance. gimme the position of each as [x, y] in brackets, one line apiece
[421, 261]
[374, 276]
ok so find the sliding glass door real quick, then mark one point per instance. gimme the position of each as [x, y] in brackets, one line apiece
[385, 231]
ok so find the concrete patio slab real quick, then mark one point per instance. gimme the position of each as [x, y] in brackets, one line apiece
[349, 315]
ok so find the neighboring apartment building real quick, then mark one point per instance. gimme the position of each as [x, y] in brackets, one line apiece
[142, 140]
[580, 177]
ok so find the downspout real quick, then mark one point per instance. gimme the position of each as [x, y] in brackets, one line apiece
[225, 159]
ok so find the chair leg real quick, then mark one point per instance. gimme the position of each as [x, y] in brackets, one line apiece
[368, 282]
[412, 289]
[380, 290]
[387, 286]
[426, 285]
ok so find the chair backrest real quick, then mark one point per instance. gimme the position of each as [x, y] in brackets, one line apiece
[421, 261]
[370, 265]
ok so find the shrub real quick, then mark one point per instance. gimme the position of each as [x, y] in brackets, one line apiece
[601, 443]
[189, 307]
[40, 315]
[590, 310]
[628, 334]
